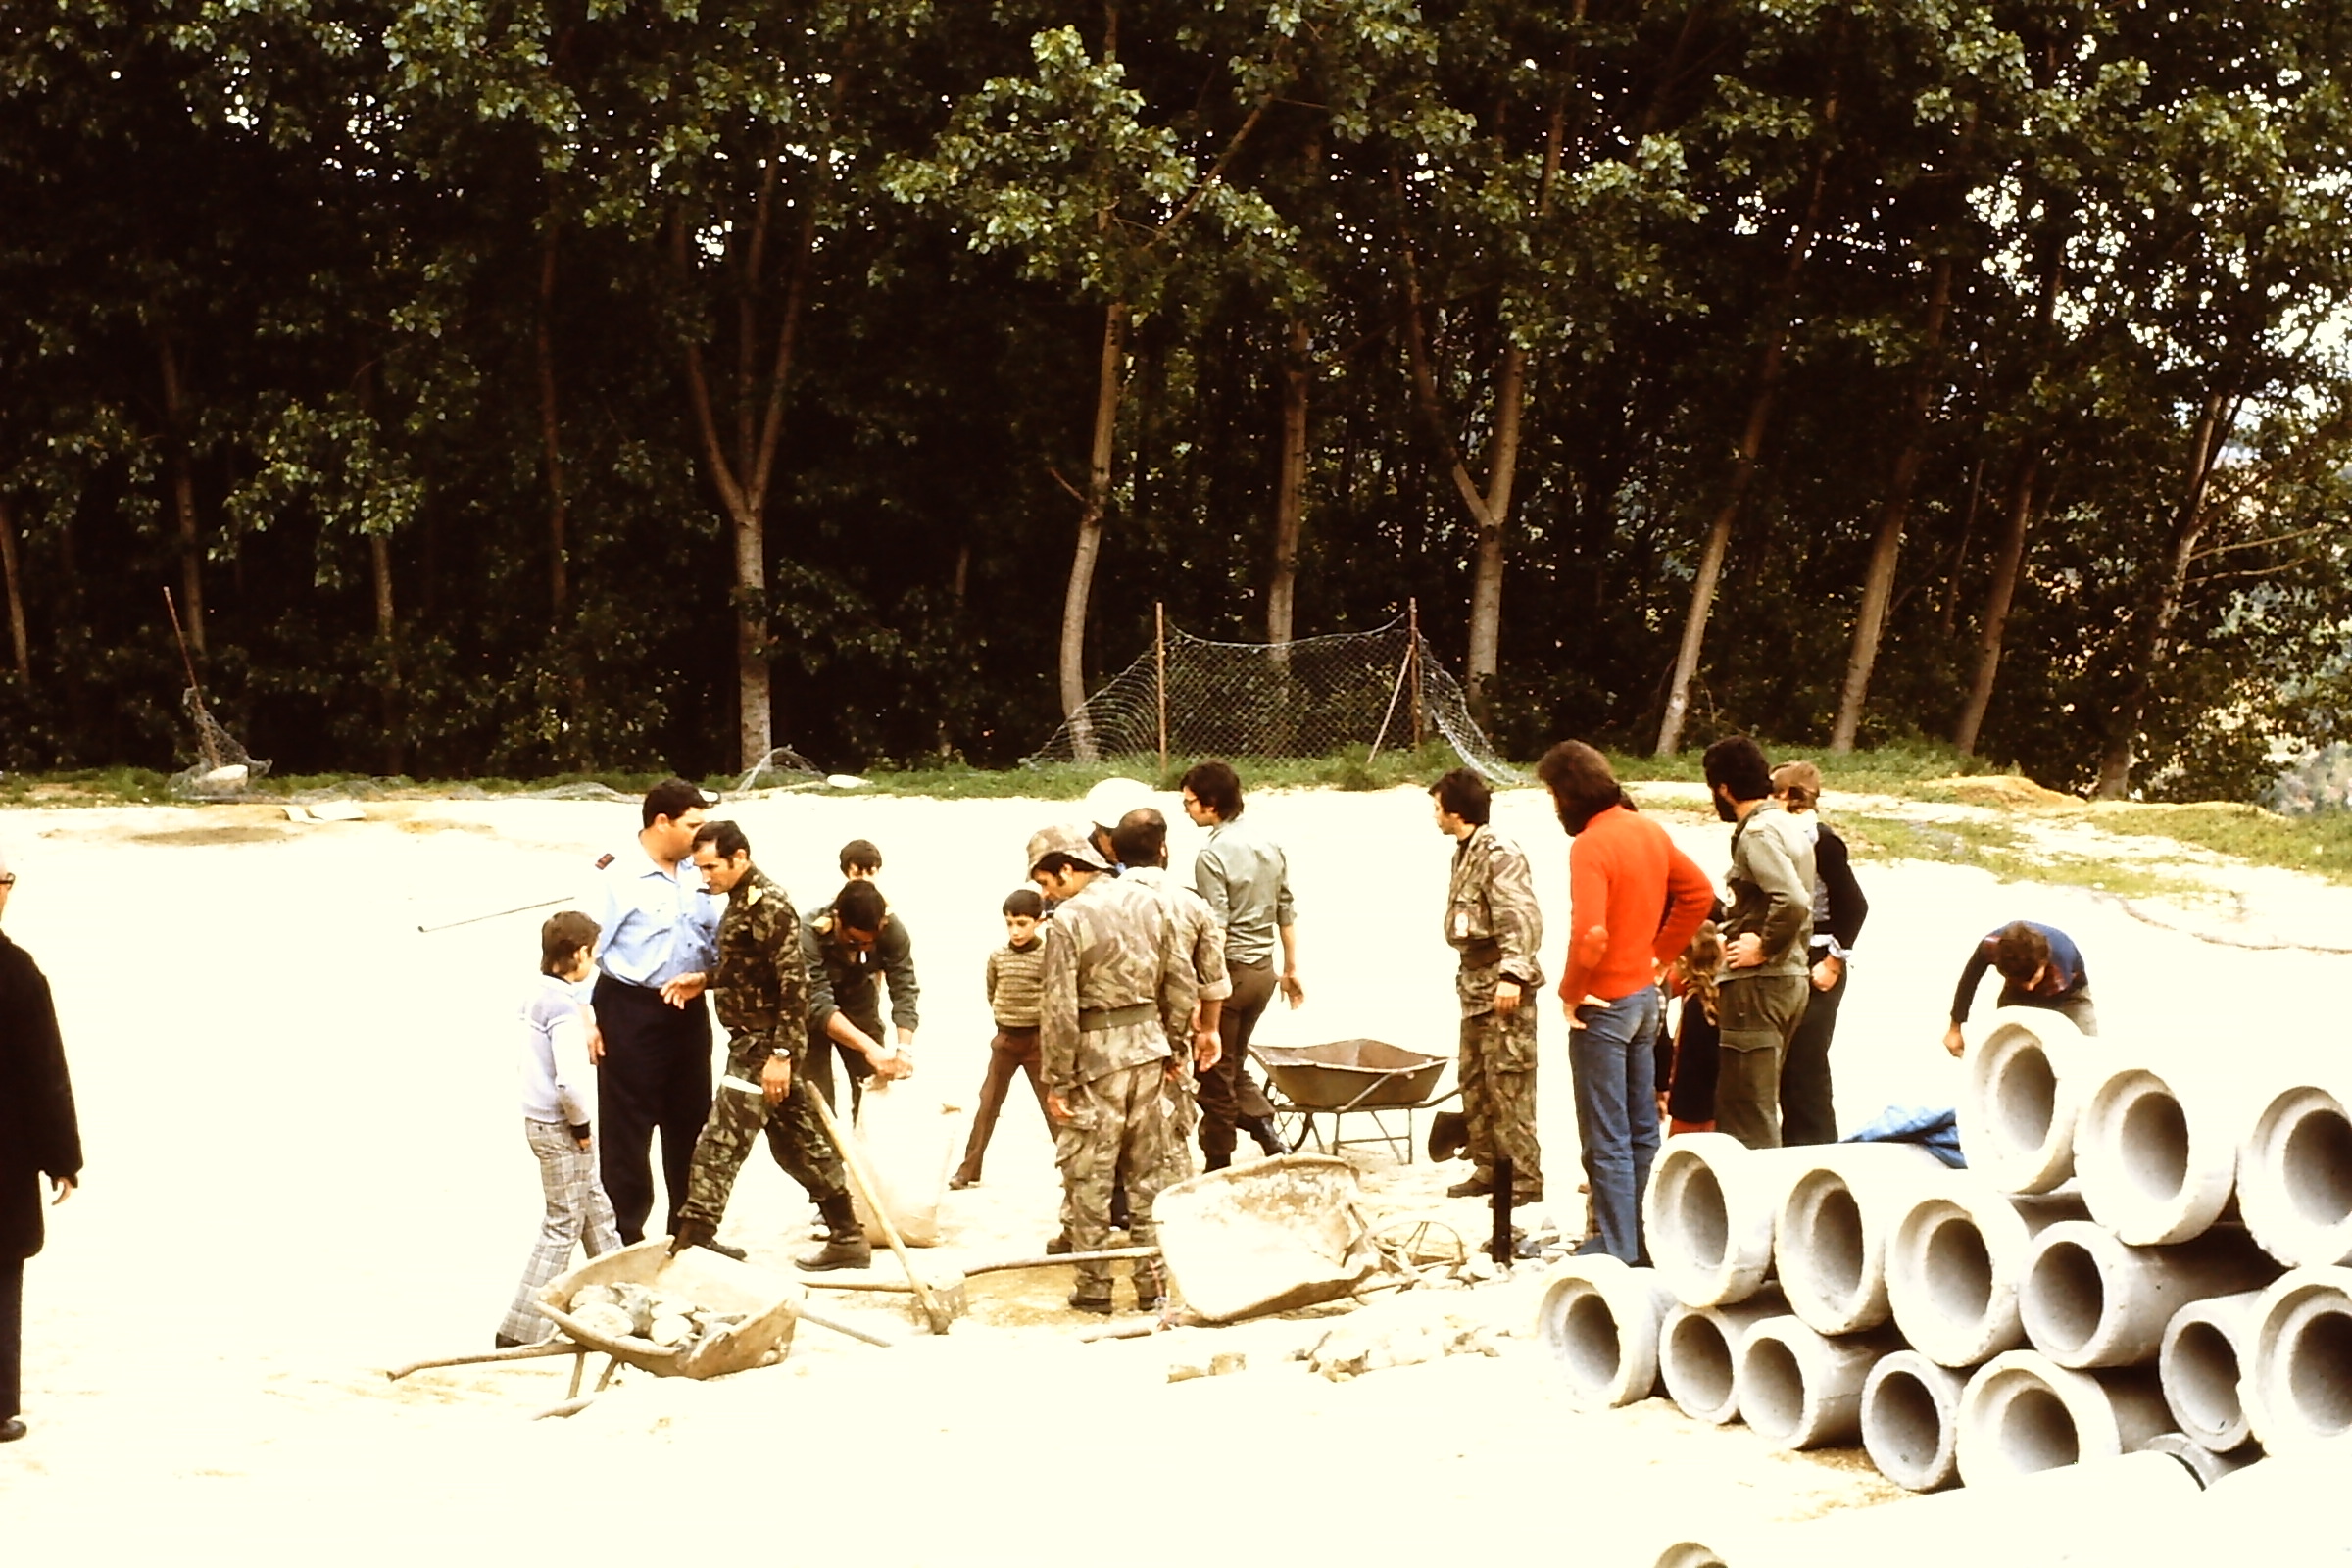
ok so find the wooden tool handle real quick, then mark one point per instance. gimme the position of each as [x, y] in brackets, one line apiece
[852, 1160]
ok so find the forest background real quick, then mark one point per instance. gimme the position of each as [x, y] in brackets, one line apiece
[510, 388]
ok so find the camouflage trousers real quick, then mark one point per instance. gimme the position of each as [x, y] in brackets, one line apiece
[1119, 1131]
[795, 1136]
[1499, 1094]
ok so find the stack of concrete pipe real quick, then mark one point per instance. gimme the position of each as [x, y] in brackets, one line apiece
[2142, 1254]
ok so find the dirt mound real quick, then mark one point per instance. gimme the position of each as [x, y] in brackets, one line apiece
[2001, 789]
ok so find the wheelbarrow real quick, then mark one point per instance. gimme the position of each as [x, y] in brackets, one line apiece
[769, 1307]
[1352, 1077]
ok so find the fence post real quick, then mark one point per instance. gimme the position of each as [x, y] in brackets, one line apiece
[1160, 644]
[1412, 655]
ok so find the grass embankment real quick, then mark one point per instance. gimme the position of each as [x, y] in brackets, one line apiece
[2321, 843]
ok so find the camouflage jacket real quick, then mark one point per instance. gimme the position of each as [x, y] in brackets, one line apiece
[1117, 989]
[1200, 935]
[762, 987]
[1491, 919]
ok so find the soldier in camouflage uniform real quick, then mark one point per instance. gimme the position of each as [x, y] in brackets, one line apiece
[1140, 842]
[1493, 922]
[1116, 991]
[762, 992]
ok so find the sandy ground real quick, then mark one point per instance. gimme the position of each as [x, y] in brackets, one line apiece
[303, 1167]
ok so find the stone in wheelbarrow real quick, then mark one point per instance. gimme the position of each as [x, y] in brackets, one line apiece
[1264, 1238]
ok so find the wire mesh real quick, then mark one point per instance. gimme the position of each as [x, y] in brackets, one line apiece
[223, 769]
[1311, 698]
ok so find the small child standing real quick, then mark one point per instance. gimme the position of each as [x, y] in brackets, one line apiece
[1015, 988]
[559, 1118]
[1686, 1063]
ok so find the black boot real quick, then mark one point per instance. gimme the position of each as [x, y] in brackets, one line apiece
[845, 1246]
[1262, 1129]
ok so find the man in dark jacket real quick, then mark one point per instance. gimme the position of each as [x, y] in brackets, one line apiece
[38, 1136]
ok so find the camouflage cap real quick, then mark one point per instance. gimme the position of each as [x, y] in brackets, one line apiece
[1064, 838]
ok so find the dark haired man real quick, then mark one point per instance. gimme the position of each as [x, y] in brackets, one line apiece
[653, 1043]
[1767, 972]
[2040, 967]
[38, 1136]
[760, 989]
[1246, 879]
[860, 861]
[1141, 843]
[853, 947]
[1496, 930]
[1116, 991]
[1634, 903]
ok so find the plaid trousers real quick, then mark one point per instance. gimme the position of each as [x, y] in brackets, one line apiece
[577, 1210]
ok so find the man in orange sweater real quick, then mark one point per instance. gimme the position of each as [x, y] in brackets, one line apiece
[1634, 903]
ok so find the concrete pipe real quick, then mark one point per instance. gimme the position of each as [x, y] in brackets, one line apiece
[1829, 1240]
[2090, 1300]
[2294, 1177]
[2298, 1380]
[2202, 1365]
[1699, 1354]
[1800, 1389]
[1600, 1320]
[2024, 1082]
[2156, 1154]
[2208, 1465]
[1708, 1214]
[2022, 1412]
[1954, 1264]
[1911, 1420]
[2059, 1516]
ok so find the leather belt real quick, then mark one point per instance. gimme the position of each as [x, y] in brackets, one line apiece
[1090, 1018]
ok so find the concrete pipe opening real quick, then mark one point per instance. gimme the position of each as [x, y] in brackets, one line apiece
[2201, 1375]
[1772, 1387]
[2316, 1355]
[2035, 1431]
[2024, 1095]
[2064, 1300]
[1829, 1238]
[1587, 1342]
[1956, 1267]
[2317, 1156]
[1910, 1409]
[1691, 1554]
[2152, 1136]
[1695, 1360]
[1692, 1201]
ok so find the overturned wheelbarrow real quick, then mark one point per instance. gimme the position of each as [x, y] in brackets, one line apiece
[1267, 1237]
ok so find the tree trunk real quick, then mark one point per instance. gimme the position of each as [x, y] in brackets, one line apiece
[559, 568]
[1743, 463]
[387, 636]
[183, 503]
[1490, 509]
[2006, 567]
[12, 577]
[2188, 527]
[1110, 381]
[1290, 495]
[1886, 550]
[743, 477]
[1947, 618]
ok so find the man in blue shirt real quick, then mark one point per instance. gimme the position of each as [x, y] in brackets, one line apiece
[2040, 967]
[654, 955]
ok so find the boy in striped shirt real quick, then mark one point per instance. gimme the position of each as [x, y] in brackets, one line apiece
[1015, 987]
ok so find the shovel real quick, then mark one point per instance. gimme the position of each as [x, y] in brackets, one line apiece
[938, 1311]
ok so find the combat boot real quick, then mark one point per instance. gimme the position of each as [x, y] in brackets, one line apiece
[845, 1246]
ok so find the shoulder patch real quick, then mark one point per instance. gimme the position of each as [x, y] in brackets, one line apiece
[751, 896]
[604, 861]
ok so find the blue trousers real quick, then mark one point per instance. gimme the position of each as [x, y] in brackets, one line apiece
[1615, 1072]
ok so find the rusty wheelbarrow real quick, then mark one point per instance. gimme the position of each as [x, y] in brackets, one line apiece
[1341, 1078]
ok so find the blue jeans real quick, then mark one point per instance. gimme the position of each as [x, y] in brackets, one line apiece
[1615, 1072]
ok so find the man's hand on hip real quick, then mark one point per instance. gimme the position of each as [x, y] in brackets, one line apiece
[1744, 951]
[684, 989]
[775, 1079]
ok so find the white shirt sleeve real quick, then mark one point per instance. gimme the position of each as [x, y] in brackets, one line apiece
[576, 1079]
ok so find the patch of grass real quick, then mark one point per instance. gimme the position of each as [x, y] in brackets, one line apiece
[1353, 768]
[1901, 769]
[2321, 843]
[89, 786]
[2007, 854]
